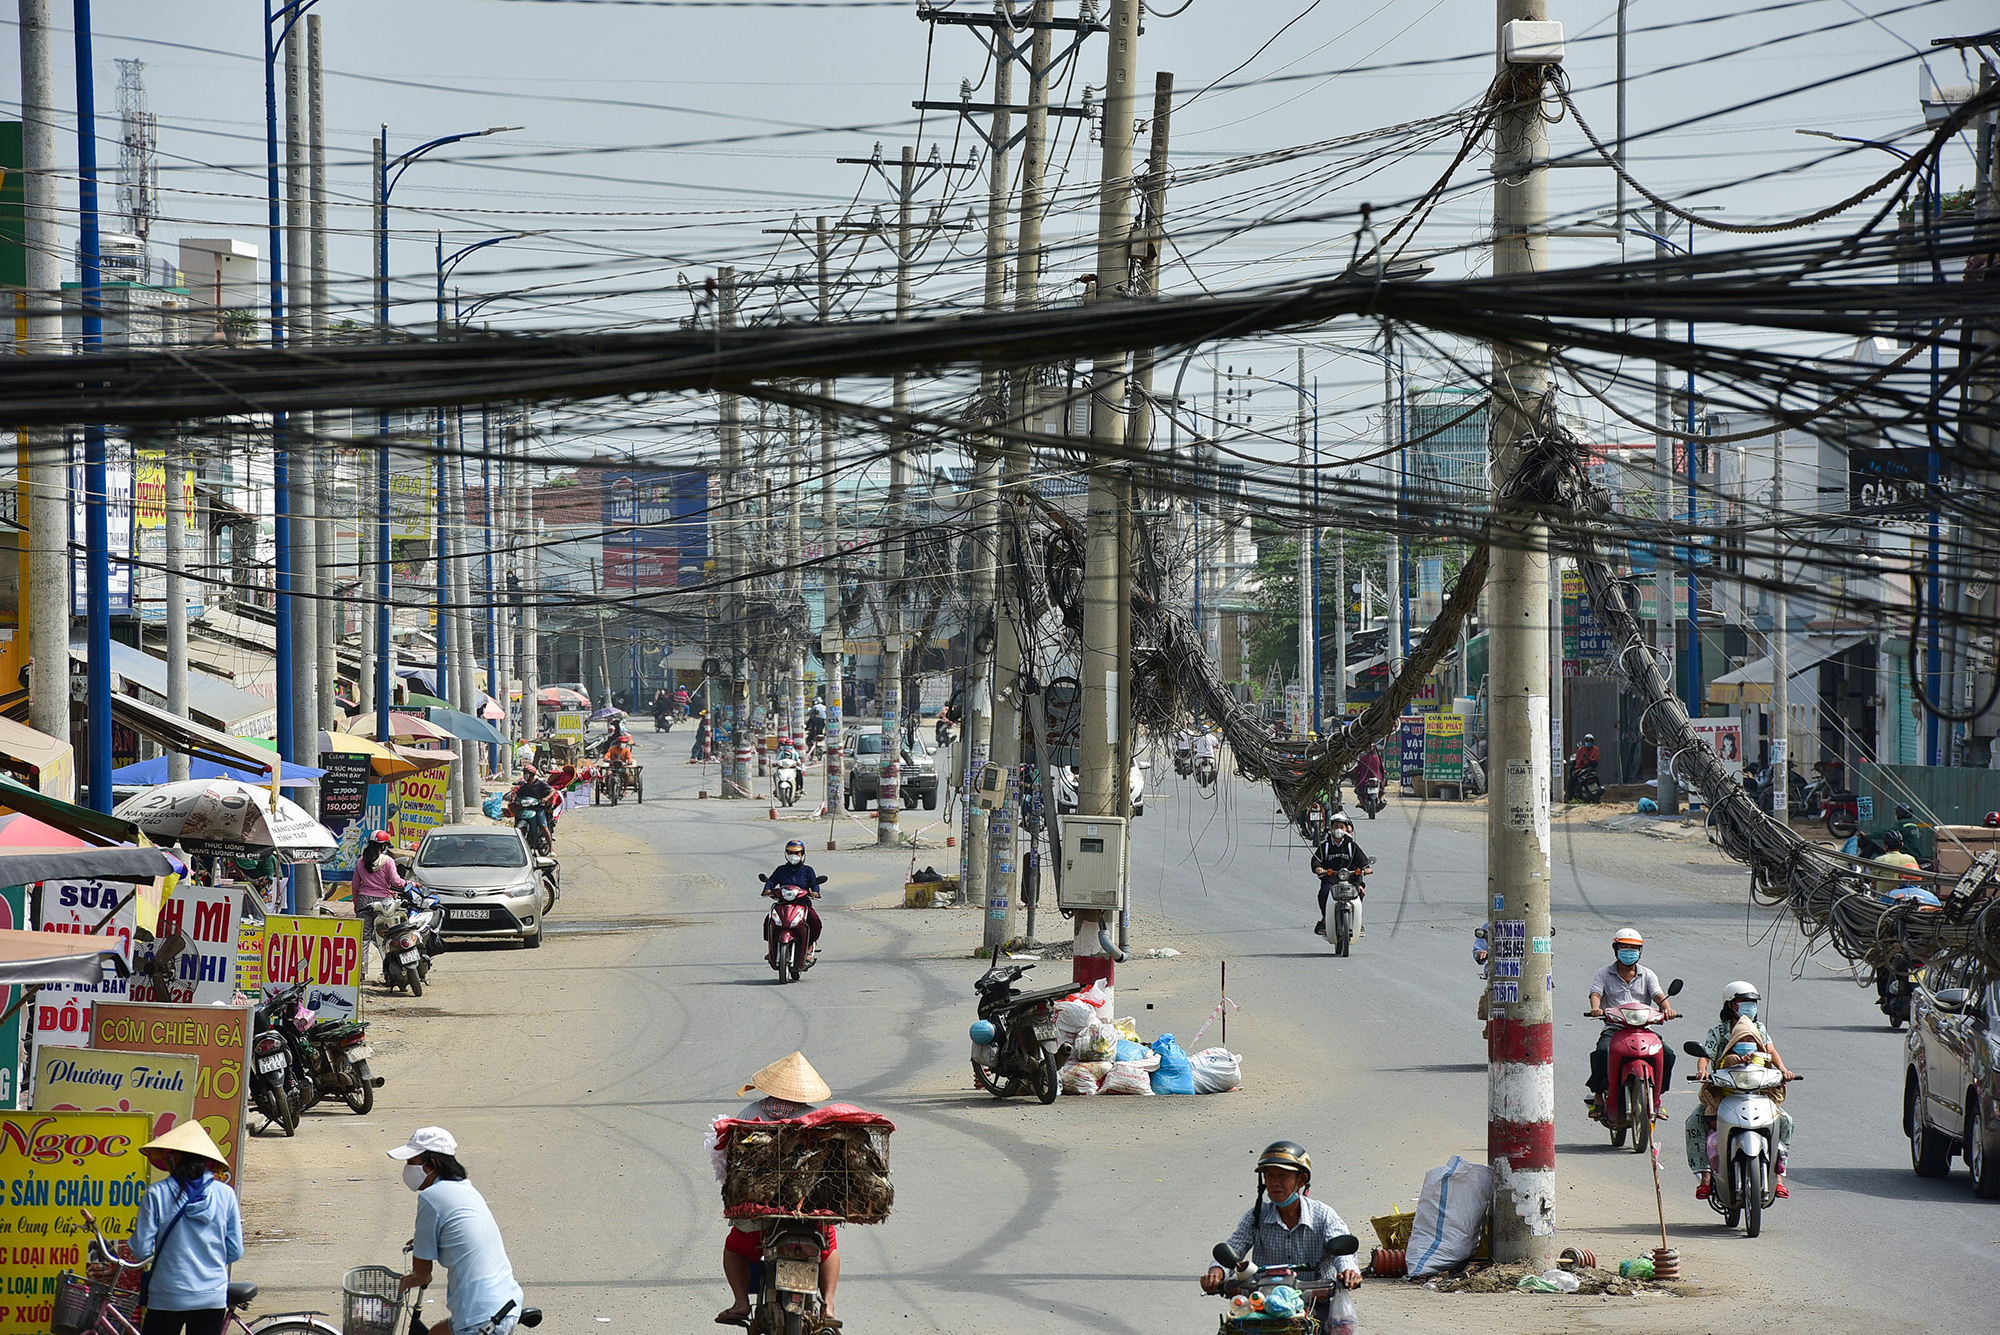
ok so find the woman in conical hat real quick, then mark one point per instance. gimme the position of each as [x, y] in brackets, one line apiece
[786, 1088]
[191, 1228]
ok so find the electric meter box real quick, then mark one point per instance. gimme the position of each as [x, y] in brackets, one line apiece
[992, 789]
[1093, 868]
[1531, 42]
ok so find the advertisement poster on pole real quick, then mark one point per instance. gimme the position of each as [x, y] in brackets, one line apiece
[161, 1085]
[62, 1010]
[218, 1037]
[250, 948]
[1725, 737]
[50, 1164]
[322, 953]
[204, 971]
[422, 803]
[343, 807]
[13, 918]
[1411, 748]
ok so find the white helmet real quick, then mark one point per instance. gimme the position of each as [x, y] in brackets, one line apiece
[1627, 936]
[1741, 991]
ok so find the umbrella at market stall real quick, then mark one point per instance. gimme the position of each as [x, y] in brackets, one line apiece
[229, 817]
[19, 831]
[385, 763]
[562, 697]
[408, 727]
[147, 773]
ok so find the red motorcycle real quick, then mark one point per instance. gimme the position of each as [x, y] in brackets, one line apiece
[1635, 1070]
[787, 930]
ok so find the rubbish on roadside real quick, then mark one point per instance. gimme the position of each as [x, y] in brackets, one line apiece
[1129, 1051]
[928, 874]
[1450, 1214]
[1128, 1029]
[1485, 1278]
[1127, 1078]
[832, 1163]
[1639, 1268]
[494, 806]
[1539, 1284]
[1073, 1018]
[1083, 1077]
[1562, 1279]
[1217, 1071]
[1162, 953]
[1174, 1076]
[1099, 1043]
[1393, 1228]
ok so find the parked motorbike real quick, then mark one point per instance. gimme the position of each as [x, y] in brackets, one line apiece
[280, 1086]
[785, 783]
[1338, 928]
[787, 1297]
[1635, 1072]
[785, 932]
[1204, 771]
[1368, 792]
[332, 1054]
[1014, 1042]
[1581, 782]
[405, 929]
[1743, 1147]
[1249, 1288]
[531, 818]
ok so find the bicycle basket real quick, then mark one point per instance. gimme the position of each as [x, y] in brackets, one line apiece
[78, 1302]
[371, 1300]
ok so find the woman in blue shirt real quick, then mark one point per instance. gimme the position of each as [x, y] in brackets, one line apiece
[191, 1228]
[455, 1227]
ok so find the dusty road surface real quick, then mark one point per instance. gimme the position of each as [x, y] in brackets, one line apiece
[579, 1079]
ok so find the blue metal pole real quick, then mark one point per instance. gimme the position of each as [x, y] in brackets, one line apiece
[96, 519]
[441, 616]
[1934, 751]
[383, 650]
[281, 472]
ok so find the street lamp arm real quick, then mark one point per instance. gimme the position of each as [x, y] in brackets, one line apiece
[402, 162]
[291, 13]
[444, 270]
[1864, 143]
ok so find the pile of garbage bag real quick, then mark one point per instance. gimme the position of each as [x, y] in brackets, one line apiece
[1109, 1057]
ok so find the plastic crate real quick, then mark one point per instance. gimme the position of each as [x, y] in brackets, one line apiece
[371, 1300]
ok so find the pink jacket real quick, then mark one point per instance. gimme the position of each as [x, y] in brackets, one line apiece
[382, 883]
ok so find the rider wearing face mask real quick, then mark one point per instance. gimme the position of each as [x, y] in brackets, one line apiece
[1287, 1226]
[1624, 982]
[455, 1226]
[1740, 1003]
[794, 870]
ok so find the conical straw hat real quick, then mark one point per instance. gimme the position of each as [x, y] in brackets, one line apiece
[188, 1138]
[791, 1078]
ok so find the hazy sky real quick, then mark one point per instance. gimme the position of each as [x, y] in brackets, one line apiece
[662, 138]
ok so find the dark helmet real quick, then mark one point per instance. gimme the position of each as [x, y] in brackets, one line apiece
[1286, 1154]
[794, 846]
[1892, 839]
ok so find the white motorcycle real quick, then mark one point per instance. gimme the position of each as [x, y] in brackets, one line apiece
[1743, 1147]
[786, 782]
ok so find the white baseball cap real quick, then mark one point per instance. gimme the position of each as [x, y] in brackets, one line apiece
[426, 1140]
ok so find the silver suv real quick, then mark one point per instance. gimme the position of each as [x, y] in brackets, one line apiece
[861, 772]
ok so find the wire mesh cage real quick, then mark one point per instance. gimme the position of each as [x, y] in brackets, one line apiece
[836, 1171]
[371, 1300]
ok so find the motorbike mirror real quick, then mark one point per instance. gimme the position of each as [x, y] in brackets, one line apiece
[1674, 988]
[1480, 931]
[1952, 999]
[762, 877]
[531, 1316]
[1145, 764]
[1227, 1256]
[1694, 1050]
[821, 880]
[1344, 1245]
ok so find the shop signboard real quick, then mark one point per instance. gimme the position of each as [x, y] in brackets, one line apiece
[118, 526]
[655, 527]
[250, 948]
[569, 724]
[62, 1010]
[217, 1036]
[322, 953]
[205, 969]
[422, 803]
[161, 1085]
[1444, 748]
[52, 1165]
[1411, 748]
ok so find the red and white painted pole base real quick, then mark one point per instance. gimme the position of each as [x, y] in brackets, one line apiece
[1521, 1127]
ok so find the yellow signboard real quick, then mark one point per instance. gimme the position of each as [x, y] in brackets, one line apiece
[54, 1166]
[569, 724]
[419, 804]
[92, 1080]
[322, 953]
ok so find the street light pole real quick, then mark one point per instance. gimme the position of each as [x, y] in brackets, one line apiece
[96, 526]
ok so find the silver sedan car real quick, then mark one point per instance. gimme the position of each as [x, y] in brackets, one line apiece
[486, 878]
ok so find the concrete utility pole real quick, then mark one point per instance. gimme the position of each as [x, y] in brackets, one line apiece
[305, 464]
[1003, 879]
[1107, 583]
[1781, 661]
[175, 465]
[795, 715]
[735, 714]
[1520, 1046]
[461, 618]
[1340, 628]
[1308, 613]
[325, 477]
[46, 454]
[531, 589]
[1392, 470]
[1666, 609]
[832, 656]
[889, 787]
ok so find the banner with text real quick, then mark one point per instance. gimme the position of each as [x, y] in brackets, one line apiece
[158, 1084]
[322, 953]
[62, 1010]
[422, 802]
[204, 971]
[217, 1036]
[52, 1165]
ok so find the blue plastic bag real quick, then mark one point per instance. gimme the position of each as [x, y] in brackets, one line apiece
[494, 806]
[1176, 1074]
[1128, 1051]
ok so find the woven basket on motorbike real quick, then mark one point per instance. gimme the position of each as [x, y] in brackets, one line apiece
[1260, 1324]
[371, 1300]
[835, 1171]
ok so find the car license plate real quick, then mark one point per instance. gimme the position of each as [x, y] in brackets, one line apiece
[1045, 1033]
[274, 1062]
[476, 915]
[409, 956]
[799, 1276]
[360, 1052]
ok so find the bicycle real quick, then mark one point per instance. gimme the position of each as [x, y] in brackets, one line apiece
[84, 1306]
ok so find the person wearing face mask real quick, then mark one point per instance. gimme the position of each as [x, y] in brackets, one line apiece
[1623, 982]
[1286, 1226]
[794, 870]
[1727, 1041]
[455, 1227]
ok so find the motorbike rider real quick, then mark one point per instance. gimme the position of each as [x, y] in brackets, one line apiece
[1368, 770]
[816, 724]
[1585, 756]
[1183, 749]
[1291, 1228]
[618, 755]
[1620, 983]
[533, 786]
[786, 1088]
[1896, 855]
[1338, 853]
[1739, 1003]
[375, 882]
[794, 870]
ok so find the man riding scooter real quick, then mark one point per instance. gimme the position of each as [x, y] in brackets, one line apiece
[1290, 1229]
[795, 871]
[1582, 761]
[1339, 853]
[1739, 1003]
[1623, 982]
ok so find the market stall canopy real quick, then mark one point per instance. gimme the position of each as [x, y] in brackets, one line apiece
[406, 725]
[386, 763]
[148, 773]
[20, 831]
[210, 701]
[462, 725]
[424, 757]
[37, 759]
[31, 958]
[227, 816]
[93, 827]
[25, 866]
[1751, 683]
[561, 697]
[188, 737]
